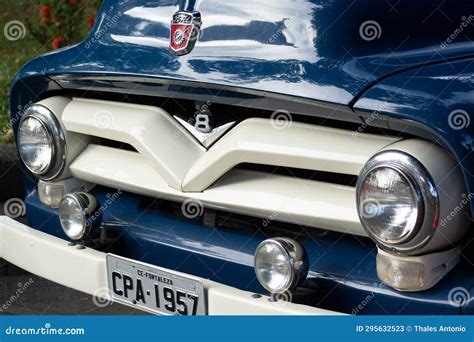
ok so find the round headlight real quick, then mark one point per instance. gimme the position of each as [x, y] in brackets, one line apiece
[74, 211]
[280, 264]
[397, 201]
[41, 143]
[36, 145]
[389, 205]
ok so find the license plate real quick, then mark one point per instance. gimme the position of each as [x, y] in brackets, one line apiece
[154, 289]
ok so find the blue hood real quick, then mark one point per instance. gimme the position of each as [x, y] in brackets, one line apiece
[322, 50]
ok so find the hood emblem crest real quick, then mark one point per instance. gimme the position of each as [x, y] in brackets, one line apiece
[185, 28]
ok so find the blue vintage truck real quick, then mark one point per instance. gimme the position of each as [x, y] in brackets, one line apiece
[254, 157]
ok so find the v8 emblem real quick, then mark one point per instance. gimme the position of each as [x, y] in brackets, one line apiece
[203, 123]
[204, 126]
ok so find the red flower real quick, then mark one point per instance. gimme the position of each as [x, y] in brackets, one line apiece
[57, 42]
[73, 2]
[44, 10]
[44, 21]
[90, 21]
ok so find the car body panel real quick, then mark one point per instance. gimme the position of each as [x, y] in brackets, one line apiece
[309, 49]
[428, 96]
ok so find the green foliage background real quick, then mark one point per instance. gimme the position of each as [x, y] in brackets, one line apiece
[71, 25]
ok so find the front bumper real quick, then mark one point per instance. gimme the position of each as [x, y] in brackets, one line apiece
[85, 270]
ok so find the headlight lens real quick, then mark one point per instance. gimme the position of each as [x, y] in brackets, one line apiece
[41, 143]
[74, 211]
[35, 145]
[280, 264]
[72, 217]
[272, 267]
[397, 201]
[388, 205]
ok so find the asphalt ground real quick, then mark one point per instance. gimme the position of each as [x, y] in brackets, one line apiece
[39, 296]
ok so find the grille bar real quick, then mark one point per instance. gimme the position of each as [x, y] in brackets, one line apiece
[297, 201]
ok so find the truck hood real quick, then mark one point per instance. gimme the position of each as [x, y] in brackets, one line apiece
[323, 50]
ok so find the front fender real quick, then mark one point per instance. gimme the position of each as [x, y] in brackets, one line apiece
[439, 99]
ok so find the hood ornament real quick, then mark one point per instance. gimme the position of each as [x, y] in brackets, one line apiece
[185, 28]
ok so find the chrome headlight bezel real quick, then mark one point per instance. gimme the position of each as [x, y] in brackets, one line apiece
[58, 141]
[423, 189]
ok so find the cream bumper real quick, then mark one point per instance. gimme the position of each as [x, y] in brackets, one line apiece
[52, 258]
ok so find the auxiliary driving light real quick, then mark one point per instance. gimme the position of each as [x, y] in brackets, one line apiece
[280, 264]
[75, 212]
[41, 142]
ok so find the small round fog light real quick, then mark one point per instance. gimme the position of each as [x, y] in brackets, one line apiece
[74, 212]
[280, 264]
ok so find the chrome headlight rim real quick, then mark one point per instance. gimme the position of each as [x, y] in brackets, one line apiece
[296, 257]
[423, 189]
[58, 145]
